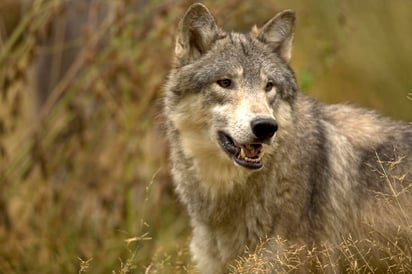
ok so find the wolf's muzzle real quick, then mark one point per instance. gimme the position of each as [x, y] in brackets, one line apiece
[264, 128]
[246, 155]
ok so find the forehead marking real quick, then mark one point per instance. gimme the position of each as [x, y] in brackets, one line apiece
[244, 48]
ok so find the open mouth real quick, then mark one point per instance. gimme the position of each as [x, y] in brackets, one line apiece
[246, 155]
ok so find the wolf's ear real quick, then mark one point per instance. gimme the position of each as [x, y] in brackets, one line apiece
[196, 33]
[278, 33]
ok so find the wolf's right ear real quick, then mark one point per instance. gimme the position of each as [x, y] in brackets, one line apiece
[196, 33]
[278, 33]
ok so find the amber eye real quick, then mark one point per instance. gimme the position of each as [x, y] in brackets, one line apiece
[269, 86]
[225, 83]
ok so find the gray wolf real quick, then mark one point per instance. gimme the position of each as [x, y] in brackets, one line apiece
[254, 160]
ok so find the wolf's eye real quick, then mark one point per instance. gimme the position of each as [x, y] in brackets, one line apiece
[225, 83]
[269, 86]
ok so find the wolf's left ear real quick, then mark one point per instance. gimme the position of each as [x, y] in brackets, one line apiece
[278, 33]
[196, 33]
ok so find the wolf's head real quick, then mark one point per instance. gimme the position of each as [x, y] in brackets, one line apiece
[227, 91]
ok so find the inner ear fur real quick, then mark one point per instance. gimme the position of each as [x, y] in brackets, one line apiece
[196, 33]
[278, 33]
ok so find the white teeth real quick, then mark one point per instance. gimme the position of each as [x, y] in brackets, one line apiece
[243, 156]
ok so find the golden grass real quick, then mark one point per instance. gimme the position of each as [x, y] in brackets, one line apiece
[84, 178]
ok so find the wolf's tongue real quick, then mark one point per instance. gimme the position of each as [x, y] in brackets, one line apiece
[251, 151]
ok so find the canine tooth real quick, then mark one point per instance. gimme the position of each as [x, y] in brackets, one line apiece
[242, 154]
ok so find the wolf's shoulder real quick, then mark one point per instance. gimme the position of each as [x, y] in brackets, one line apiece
[361, 126]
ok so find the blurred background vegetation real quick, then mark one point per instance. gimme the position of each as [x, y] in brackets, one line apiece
[84, 181]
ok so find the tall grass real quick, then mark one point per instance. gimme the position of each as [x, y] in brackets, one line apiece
[84, 181]
[84, 177]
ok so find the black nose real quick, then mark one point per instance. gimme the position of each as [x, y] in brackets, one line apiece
[264, 128]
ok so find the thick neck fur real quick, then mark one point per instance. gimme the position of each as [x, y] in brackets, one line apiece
[295, 175]
[318, 184]
[219, 193]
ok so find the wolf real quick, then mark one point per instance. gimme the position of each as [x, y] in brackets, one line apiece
[254, 160]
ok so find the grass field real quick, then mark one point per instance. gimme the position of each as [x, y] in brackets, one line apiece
[84, 178]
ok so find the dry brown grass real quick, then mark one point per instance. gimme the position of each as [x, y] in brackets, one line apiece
[388, 255]
[84, 178]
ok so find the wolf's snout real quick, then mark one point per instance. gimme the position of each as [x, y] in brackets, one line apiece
[264, 128]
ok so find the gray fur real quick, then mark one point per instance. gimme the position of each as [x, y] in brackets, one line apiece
[323, 170]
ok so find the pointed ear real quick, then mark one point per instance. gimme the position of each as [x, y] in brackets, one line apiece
[278, 33]
[196, 33]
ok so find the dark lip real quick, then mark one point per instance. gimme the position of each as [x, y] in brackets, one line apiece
[233, 151]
